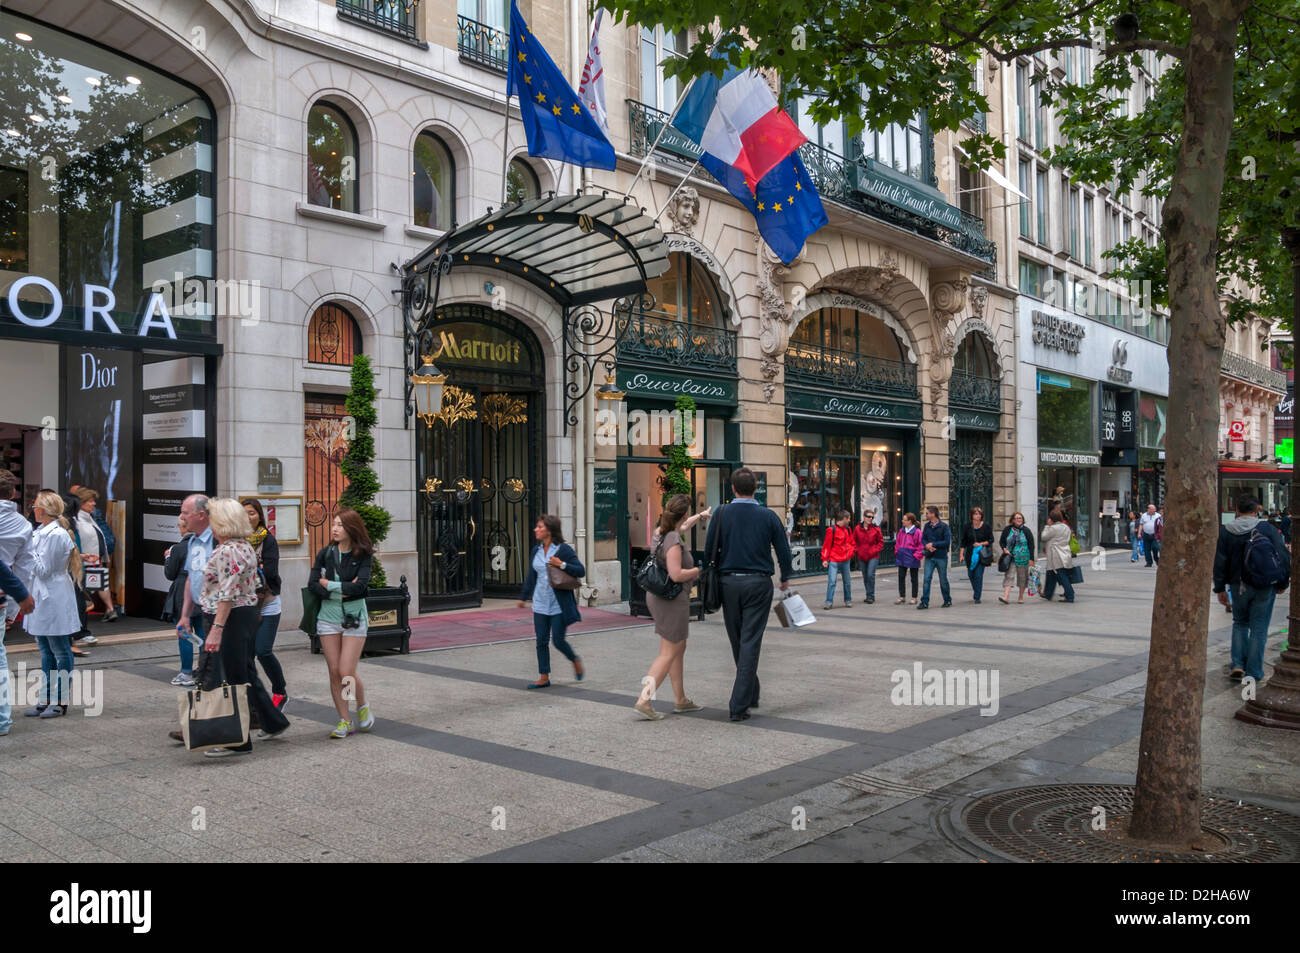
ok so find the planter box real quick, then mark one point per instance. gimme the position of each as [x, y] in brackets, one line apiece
[390, 628]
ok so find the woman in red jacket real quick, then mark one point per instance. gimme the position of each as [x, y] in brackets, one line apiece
[869, 543]
[837, 550]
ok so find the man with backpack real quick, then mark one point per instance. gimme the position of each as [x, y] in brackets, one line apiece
[1252, 560]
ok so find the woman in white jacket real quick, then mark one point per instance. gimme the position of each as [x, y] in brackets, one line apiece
[55, 619]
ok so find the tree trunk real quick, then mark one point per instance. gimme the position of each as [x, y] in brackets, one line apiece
[1167, 805]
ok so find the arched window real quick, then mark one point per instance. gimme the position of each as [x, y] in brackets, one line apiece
[332, 167]
[975, 357]
[849, 332]
[333, 336]
[434, 182]
[687, 293]
[521, 182]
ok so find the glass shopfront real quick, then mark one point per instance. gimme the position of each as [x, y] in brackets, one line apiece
[107, 290]
[1068, 457]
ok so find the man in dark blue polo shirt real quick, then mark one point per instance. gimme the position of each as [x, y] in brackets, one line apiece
[936, 538]
[749, 532]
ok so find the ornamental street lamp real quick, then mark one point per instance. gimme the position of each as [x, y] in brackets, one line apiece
[1277, 702]
[428, 383]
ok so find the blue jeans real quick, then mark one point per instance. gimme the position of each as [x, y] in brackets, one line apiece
[1252, 610]
[976, 577]
[6, 687]
[1134, 540]
[550, 628]
[869, 576]
[187, 650]
[840, 569]
[935, 564]
[1152, 548]
[56, 654]
[1053, 577]
[263, 642]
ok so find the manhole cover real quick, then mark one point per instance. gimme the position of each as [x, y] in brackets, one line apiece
[1055, 824]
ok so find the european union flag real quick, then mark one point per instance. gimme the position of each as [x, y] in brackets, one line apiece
[785, 202]
[558, 125]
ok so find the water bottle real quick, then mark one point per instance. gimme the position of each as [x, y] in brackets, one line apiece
[193, 639]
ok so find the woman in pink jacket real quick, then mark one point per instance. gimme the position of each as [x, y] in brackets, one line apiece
[907, 555]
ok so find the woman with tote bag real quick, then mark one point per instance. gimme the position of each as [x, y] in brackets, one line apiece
[554, 609]
[672, 616]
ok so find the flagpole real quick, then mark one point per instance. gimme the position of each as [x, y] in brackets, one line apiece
[689, 173]
[505, 151]
[655, 145]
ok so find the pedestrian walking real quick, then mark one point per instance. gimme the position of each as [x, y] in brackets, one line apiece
[96, 542]
[1055, 541]
[746, 533]
[12, 593]
[198, 550]
[340, 576]
[1152, 528]
[16, 553]
[1284, 524]
[936, 538]
[837, 550]
[175, 560]
[976, 551]
[554, 610]
[1251, 563]
[53, 620]
[1134, 536]
[908, 550]
[229, 603]
[1017, 541]
[267, 549]
[869, 543]
[672, 616]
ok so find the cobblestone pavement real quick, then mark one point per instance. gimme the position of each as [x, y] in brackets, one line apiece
[465, 763]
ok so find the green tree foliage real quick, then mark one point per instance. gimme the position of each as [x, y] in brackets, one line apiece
[363, 484]
[675, 477]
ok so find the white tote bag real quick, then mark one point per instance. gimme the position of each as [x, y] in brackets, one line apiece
[793, 611]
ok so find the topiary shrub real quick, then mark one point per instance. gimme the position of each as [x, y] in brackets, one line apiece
[675, 479]
[363, 484]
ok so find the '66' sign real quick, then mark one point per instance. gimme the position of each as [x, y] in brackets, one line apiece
[1237, 430]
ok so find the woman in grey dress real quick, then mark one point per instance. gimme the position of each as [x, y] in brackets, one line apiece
[672, 616]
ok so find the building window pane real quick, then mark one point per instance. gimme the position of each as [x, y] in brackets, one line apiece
[1064, 412]
[1042, 206]
[521, 182]
[1087, 231]
[1025, 209]
[331, 159]
[433, 181]
[13, 219]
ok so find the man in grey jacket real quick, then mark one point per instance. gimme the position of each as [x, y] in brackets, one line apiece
[1252, 604]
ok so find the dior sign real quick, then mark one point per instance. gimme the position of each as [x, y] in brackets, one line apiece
[1057, 333]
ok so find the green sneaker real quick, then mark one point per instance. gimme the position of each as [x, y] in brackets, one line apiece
[342, 729]
[365, 720]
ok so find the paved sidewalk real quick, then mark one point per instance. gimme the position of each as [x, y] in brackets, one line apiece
[465, 763]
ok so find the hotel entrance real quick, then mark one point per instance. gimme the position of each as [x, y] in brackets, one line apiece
[480, 464]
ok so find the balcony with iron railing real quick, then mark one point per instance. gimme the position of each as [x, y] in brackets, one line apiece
[482, 45]
[843, 181]
[1253, 372]
[390, 18]
[657, 339]
[974, 392]
[810, 364]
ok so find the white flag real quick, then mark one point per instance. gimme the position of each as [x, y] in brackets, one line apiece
[592, 89]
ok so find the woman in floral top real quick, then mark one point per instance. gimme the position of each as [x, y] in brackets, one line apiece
[230, 614]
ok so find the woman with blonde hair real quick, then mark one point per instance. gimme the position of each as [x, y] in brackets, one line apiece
[672, 616]
[230, 615]
[55, 561]
[96, 546]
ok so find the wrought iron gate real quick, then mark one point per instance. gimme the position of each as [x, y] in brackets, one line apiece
[449, 509]
[970, 476]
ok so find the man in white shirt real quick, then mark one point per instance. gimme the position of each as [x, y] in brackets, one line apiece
[16, 552]
[1152, 528]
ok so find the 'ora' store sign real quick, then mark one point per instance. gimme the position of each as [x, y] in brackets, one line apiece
[97, 306]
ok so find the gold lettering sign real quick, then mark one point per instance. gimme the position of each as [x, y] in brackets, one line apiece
[388, 617]
[473, 345]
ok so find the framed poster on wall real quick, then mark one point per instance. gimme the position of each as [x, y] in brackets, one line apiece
[284, 515]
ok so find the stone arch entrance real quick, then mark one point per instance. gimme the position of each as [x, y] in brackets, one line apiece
[481, 462]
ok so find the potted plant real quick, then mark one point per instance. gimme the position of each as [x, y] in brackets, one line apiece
[388, 606]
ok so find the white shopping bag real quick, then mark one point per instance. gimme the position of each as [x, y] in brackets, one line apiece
[793, 611]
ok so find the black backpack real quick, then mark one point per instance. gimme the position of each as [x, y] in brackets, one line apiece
[1266, 563]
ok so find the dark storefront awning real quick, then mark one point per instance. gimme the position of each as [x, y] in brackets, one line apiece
[578, 249]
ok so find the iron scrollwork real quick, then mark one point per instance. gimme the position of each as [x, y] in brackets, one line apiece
[420, 290]
[592, 336]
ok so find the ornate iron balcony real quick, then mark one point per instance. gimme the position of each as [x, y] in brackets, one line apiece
[977, 393]
[1253, 371]
[660, 340]
[977, 123]
[845, 370]
[379, 15]
[482, 45]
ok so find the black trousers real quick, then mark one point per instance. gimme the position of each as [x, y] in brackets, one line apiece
[237, 659]
[746, 603]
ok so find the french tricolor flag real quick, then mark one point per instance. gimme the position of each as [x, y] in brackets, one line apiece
[737, 119]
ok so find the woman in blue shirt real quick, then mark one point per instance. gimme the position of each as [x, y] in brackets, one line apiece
[553, 609]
